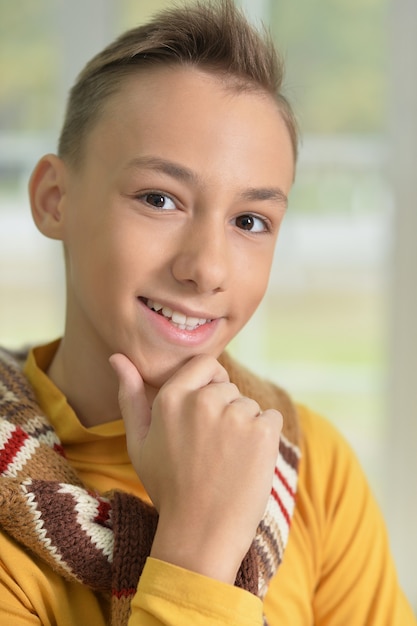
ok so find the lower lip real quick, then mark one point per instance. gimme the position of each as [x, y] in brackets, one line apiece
[173, 334]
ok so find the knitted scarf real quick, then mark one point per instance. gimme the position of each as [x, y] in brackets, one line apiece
[102, 541]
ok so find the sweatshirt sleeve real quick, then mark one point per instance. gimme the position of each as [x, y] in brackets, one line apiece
[168, 595]
[338, 567]
[357, 579]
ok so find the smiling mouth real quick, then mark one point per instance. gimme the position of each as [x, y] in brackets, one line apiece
[176, 318]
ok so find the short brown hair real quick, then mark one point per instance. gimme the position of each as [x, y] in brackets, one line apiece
[214, 36]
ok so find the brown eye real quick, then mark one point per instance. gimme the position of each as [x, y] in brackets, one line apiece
[252, 223]
[245, 222]
[156, 199]
[159, 200]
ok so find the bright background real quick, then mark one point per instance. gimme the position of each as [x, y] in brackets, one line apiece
[338, 326]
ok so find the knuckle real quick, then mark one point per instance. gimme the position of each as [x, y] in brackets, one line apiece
[254, 407]
[270, 425]
[166, 399]
[232, 412]
[205, 399]
[234, 389]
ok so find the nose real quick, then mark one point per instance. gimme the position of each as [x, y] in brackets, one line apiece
[202, 258]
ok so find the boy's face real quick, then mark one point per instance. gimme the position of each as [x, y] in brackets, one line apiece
[177, 204]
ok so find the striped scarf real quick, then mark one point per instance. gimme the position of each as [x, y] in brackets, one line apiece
[102, 541]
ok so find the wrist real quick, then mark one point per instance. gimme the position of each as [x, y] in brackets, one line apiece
[193, 549]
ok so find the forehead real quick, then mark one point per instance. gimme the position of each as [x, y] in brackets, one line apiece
[182, 82]
[189, 114]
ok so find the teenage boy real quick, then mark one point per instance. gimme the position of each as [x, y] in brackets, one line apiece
[174, 167]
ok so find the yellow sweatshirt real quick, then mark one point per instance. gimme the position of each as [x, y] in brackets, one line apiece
[337, 568]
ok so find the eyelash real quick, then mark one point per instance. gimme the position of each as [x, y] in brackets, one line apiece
[266, 223]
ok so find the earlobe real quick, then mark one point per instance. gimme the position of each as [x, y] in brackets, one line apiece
[46, 193]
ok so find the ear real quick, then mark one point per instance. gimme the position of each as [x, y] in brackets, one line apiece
[47, 193]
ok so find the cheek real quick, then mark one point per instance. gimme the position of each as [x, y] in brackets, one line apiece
[252, 283]
[94, 263]
[258, 293]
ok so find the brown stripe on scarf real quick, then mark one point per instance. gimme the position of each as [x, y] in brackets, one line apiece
[60, 526]
[269, 558]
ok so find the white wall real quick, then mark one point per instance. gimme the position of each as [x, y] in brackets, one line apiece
[401, 454]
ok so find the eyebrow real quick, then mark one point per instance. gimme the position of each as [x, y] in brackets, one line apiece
[175, 170]
[185, 174]
[267, 193]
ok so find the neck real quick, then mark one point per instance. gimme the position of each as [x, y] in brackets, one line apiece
[87, 380]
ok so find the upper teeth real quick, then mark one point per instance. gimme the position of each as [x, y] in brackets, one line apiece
[183, 322]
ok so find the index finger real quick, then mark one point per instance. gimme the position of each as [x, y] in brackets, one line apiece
[199, 371]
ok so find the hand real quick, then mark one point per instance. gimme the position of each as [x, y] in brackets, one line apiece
[206, 456]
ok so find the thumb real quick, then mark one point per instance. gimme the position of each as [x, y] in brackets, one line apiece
[133, 402]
